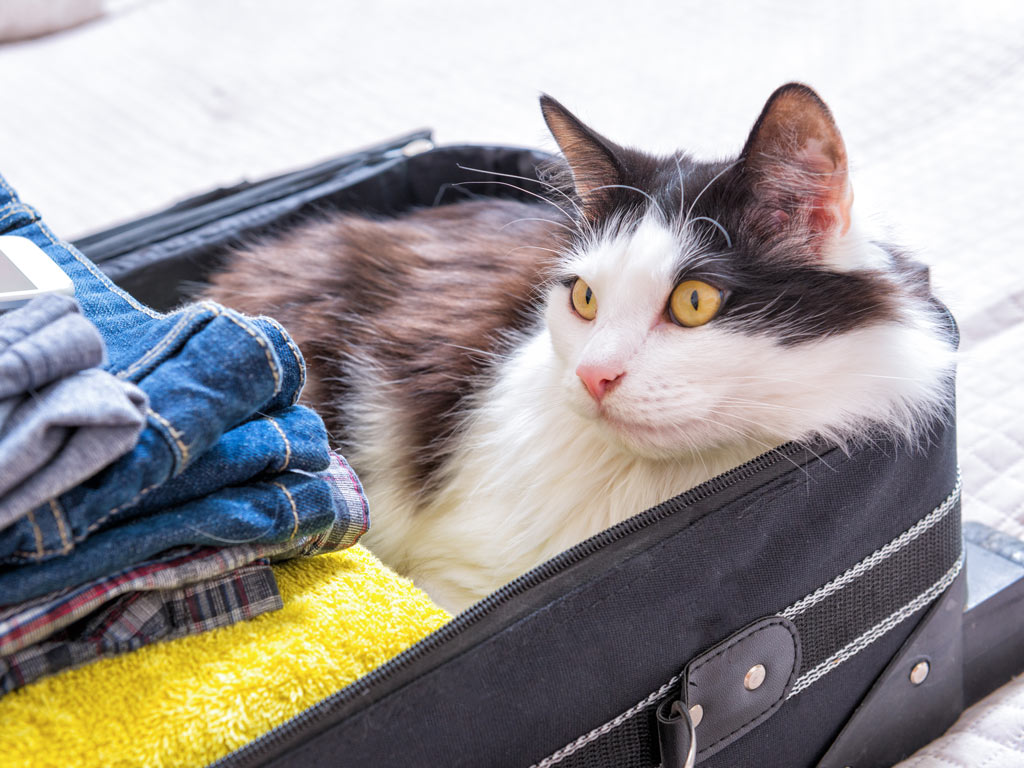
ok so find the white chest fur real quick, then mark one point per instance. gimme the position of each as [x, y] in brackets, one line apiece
[531, 479]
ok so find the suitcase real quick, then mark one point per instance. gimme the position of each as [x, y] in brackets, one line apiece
[804, 609]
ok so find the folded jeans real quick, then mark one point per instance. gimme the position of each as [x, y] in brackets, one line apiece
[207, 371]
[33, 621]
[283, 509]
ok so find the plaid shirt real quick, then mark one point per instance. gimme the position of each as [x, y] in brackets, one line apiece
[140, 618]
[28, 623]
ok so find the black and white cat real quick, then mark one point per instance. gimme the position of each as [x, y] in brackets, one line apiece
[509, 379]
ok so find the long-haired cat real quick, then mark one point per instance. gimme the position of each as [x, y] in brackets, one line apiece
[508, 378]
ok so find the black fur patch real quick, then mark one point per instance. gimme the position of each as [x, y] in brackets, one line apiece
[775, 285]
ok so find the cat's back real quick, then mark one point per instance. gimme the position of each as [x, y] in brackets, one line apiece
[427, 297]
[382, 262]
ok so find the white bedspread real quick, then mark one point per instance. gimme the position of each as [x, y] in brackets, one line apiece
[162, 99]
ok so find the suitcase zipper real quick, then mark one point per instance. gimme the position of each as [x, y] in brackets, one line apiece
[252, 753]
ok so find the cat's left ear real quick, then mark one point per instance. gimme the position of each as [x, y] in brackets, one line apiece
[593, 159]
[798, 162]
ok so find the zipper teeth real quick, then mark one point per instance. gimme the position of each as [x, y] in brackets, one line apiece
[249, 753]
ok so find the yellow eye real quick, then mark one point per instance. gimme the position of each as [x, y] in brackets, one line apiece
[583, 300]
[694, 303]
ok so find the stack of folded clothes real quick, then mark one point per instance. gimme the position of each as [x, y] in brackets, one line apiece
[151, 467]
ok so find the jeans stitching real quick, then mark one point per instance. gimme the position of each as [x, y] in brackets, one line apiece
[174, 434]
[92, 268]
[41, 551]
[299, 361]
[295, 511]
[23, 554]
[266, 350]
[287, 444]
[17, 208]
[134, 500]
[14, 197]
[38, 536]
[58, 516]
[172, 335]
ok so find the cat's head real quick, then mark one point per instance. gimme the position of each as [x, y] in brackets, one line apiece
[704, 304]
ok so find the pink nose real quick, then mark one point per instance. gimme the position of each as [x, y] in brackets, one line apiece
[599, 378]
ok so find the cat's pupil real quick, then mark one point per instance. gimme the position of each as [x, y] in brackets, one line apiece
[589, 294]
[694, 300]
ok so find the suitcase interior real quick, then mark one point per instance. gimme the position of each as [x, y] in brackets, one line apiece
[574, 645]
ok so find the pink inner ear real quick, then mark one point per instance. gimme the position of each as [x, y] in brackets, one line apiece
[831, 195]
[800, 163]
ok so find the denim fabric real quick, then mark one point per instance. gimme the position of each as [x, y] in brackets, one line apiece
[293, 438]
[207, 372]
[285, 508]
[59, 424]
[32, 621]
[142, 618]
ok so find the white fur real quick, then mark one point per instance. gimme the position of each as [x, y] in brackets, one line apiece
[541, 467]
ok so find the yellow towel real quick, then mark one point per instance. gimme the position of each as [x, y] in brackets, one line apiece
[191, 701]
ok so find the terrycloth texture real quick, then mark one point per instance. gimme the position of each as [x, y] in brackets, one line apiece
[62, 419]
[193, 700]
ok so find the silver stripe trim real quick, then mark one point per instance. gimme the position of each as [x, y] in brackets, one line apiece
[877, 631]
[879, 556]
[850, 650]
[611, 725]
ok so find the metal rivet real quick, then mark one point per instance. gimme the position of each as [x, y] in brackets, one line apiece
[920, 672]
[696, 714]
[754, 677]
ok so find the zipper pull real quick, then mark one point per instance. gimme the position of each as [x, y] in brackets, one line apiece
[417, 147]
[676, 735]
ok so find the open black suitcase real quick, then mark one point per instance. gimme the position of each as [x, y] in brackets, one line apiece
[804, 609]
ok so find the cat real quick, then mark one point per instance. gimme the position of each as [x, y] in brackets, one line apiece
[510, 378]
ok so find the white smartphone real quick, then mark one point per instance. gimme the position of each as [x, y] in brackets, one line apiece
[26, 272]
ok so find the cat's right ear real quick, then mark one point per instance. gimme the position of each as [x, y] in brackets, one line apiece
[592, 159]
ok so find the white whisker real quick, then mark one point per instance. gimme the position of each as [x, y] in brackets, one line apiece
[519, 189]
[721, 229]
[634, 189]
[547, 184]
[718, 175]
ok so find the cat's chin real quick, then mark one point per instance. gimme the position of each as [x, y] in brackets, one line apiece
[660, 442]
[627, 436]
[649, 441]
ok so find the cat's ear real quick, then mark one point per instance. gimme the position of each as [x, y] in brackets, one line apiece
[592, 159]
[797, 160]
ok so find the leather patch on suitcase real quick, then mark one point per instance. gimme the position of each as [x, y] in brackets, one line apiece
[740, 682]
